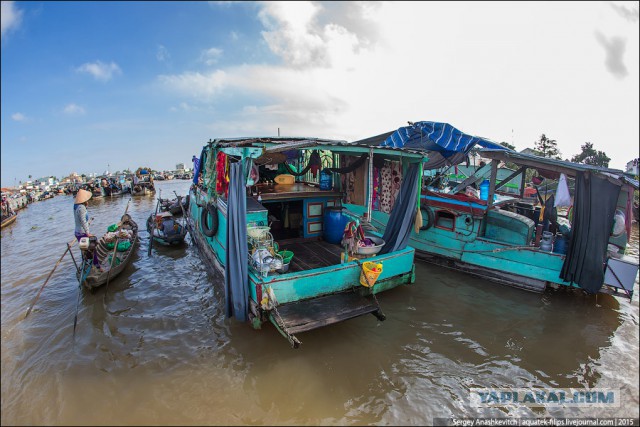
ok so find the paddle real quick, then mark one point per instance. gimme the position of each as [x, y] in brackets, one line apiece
[86, 265]
[68, 249]
[153, 225]
[184, 214]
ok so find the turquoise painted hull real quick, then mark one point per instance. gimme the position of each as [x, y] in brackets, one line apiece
[398, 267]
[512, 264]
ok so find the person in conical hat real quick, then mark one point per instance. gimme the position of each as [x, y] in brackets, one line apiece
[82, 218]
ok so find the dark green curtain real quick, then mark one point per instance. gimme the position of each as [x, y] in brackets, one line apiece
[594, 208]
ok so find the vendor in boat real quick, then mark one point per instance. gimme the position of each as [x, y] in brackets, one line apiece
[7, 210]
[81, 216]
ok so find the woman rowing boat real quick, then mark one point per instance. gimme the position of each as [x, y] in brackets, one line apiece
[81, 216]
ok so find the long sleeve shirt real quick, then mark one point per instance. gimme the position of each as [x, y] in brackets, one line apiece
[82, 218]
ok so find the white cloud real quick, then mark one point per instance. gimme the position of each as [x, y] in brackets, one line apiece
[99, 70]
[211, 56]
[10, 17]
[162, 54]
[353, 70]
[19, 117]
[183, 106]
[299, 36]
[73, 110]
[196, 85]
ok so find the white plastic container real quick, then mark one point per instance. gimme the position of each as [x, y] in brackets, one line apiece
[84, 243]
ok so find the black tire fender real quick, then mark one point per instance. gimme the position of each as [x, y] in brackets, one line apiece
[427, 213]
[210, 210]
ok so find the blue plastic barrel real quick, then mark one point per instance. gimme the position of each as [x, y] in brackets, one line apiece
[334, 223]
[484, 190]
[326, 180]
[560, 245]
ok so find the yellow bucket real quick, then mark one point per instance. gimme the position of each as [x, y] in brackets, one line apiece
[369, 274]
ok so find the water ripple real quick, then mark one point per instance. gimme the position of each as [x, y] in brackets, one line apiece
[156, 347]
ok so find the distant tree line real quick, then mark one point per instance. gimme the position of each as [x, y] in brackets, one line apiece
[546, 147]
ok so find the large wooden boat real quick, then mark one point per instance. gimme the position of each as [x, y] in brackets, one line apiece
[113, 258]
[278, 238]
[501, 236]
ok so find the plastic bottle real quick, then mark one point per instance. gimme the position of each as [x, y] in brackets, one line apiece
[484, 190]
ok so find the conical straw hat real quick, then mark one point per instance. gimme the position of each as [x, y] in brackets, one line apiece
[82, 196]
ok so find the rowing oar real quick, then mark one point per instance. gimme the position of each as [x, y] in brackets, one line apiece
[153, 224]
[69, 245]
[184, 214]
[86, 263]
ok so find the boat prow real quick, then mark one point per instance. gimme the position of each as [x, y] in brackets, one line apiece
[9, 220]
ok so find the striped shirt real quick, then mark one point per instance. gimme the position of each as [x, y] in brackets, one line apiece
[82, 218]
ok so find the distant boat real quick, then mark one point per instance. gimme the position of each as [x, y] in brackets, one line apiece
[7, 220]
[142, 189]
[173, 205]
[167, 230]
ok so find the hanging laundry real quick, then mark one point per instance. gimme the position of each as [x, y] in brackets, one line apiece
[222, 174]
[396, 181]
[252, 171]
[385, 188]
[375, 200]
[315, 162]
[348, 179]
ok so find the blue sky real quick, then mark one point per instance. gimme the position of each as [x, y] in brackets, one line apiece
[87, 85]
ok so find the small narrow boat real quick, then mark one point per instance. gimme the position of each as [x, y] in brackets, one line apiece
[174, 205]
[167, 230]
[8, 219]
[119, 243]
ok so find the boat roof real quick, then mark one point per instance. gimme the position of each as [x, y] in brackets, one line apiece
[282, 143]
[444, 144]
[556, 165]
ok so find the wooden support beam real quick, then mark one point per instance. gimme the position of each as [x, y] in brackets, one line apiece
[510, 177]
[492, 183]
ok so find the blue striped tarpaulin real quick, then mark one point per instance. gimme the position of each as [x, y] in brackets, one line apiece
[446, 144]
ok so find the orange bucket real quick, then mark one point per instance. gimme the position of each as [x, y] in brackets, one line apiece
[369, 274]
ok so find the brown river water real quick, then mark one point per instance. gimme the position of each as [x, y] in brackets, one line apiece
[156, 348]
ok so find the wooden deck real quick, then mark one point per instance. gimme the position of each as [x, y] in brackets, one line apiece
[315, 313]
[309, 254]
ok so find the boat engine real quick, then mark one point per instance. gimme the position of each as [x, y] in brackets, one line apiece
[88, 247]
